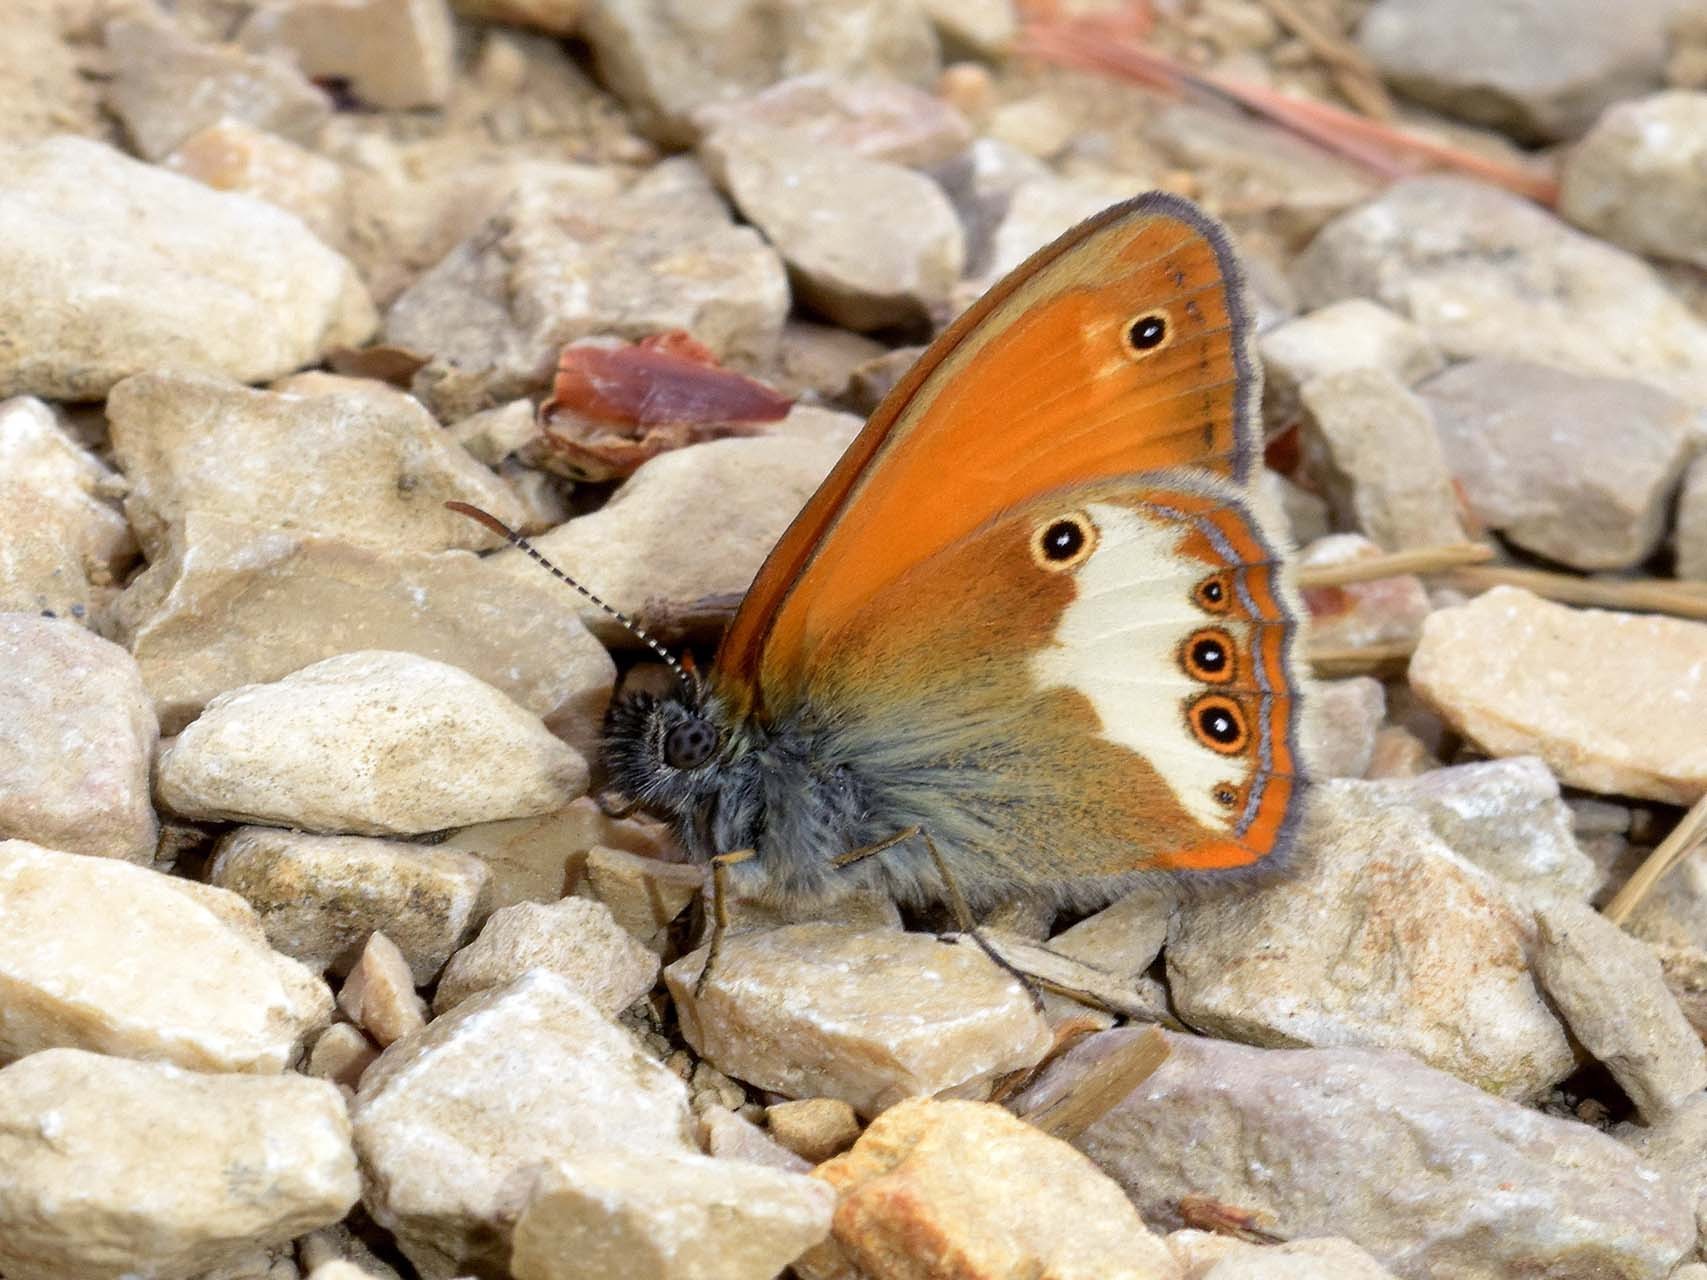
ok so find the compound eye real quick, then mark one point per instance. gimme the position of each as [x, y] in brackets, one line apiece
[689, 745]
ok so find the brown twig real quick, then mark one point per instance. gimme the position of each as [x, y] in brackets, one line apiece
[1439, 559]
[1104, 1087]
[1383, 148]
[1644, 595]
[1671, 851]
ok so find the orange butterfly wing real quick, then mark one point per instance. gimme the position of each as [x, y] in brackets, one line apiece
[1041, 383]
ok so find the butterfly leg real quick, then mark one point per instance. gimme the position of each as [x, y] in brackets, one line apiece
[956, 901]
[719, 911]
[615, 806]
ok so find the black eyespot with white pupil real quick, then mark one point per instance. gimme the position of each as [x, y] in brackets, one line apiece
[1219, 725]
[1147, 332]
[689, 745]
[1210, 655]
[1062, 541]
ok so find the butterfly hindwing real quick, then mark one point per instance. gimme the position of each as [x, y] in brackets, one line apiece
[1099, 682]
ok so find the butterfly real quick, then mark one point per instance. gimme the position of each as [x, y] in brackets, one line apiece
[1034, 614]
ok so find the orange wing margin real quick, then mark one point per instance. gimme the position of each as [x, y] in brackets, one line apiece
[1036, 385]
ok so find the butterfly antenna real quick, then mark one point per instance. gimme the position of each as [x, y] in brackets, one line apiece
[515, 539]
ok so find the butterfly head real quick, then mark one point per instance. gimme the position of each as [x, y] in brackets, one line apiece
[665, 752]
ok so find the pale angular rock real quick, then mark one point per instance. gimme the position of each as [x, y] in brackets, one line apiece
[1337, 338]
[553, 265]
[709, 1087]
[62, 541]
[1306, 512]
[1487, 273]
[986, 27]
[392, 53]
[1399, 754]
[1459, 1183]
[819, 359]
[167, 86]
[1685, 969]
[868, 243]
[370, 743]
[877, 119]
[1539, 69]
[1372, 446]
[494, 435]
[1507, 818]
[364, 464]
[48, 90]
[110, 267]
[1674, 914]
[340, 1055]
[1341, 719]
[98, 954]
[456, 1123]
[77, 737]
[542, 859]
[229, 155]
[118, 1168]
[728, 1136]
[319, 897]
[403, 222]
[1359, 614]
[576, 938]
[1691, 534]
[1298, 186]
[868, 1016]
[1578, 469]
[644, 896]
[1676, 1145]
[665, 61]
[1639, 179]
[1203, 1255]
[379, 995]
[340, 1249]
[813, 1128]
[1609, 989]
[1123, 938]
[932, 1188]
[1033, 214]
[678, 1217]
[340, 1269]
[1517, 675]
[232, 605]
[691, 524]
[1383, 938]
[557, 17]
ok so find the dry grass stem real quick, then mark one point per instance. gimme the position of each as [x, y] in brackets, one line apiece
[1671, 851]
[1353, 74]
[1367, 660]
[1420, 560]
[1644, 595]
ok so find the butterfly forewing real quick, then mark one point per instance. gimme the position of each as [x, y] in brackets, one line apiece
[1121, 348]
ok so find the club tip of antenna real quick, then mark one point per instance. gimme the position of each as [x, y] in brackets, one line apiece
[486, 518]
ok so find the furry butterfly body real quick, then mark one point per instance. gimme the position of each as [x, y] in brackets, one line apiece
[1034, 611]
